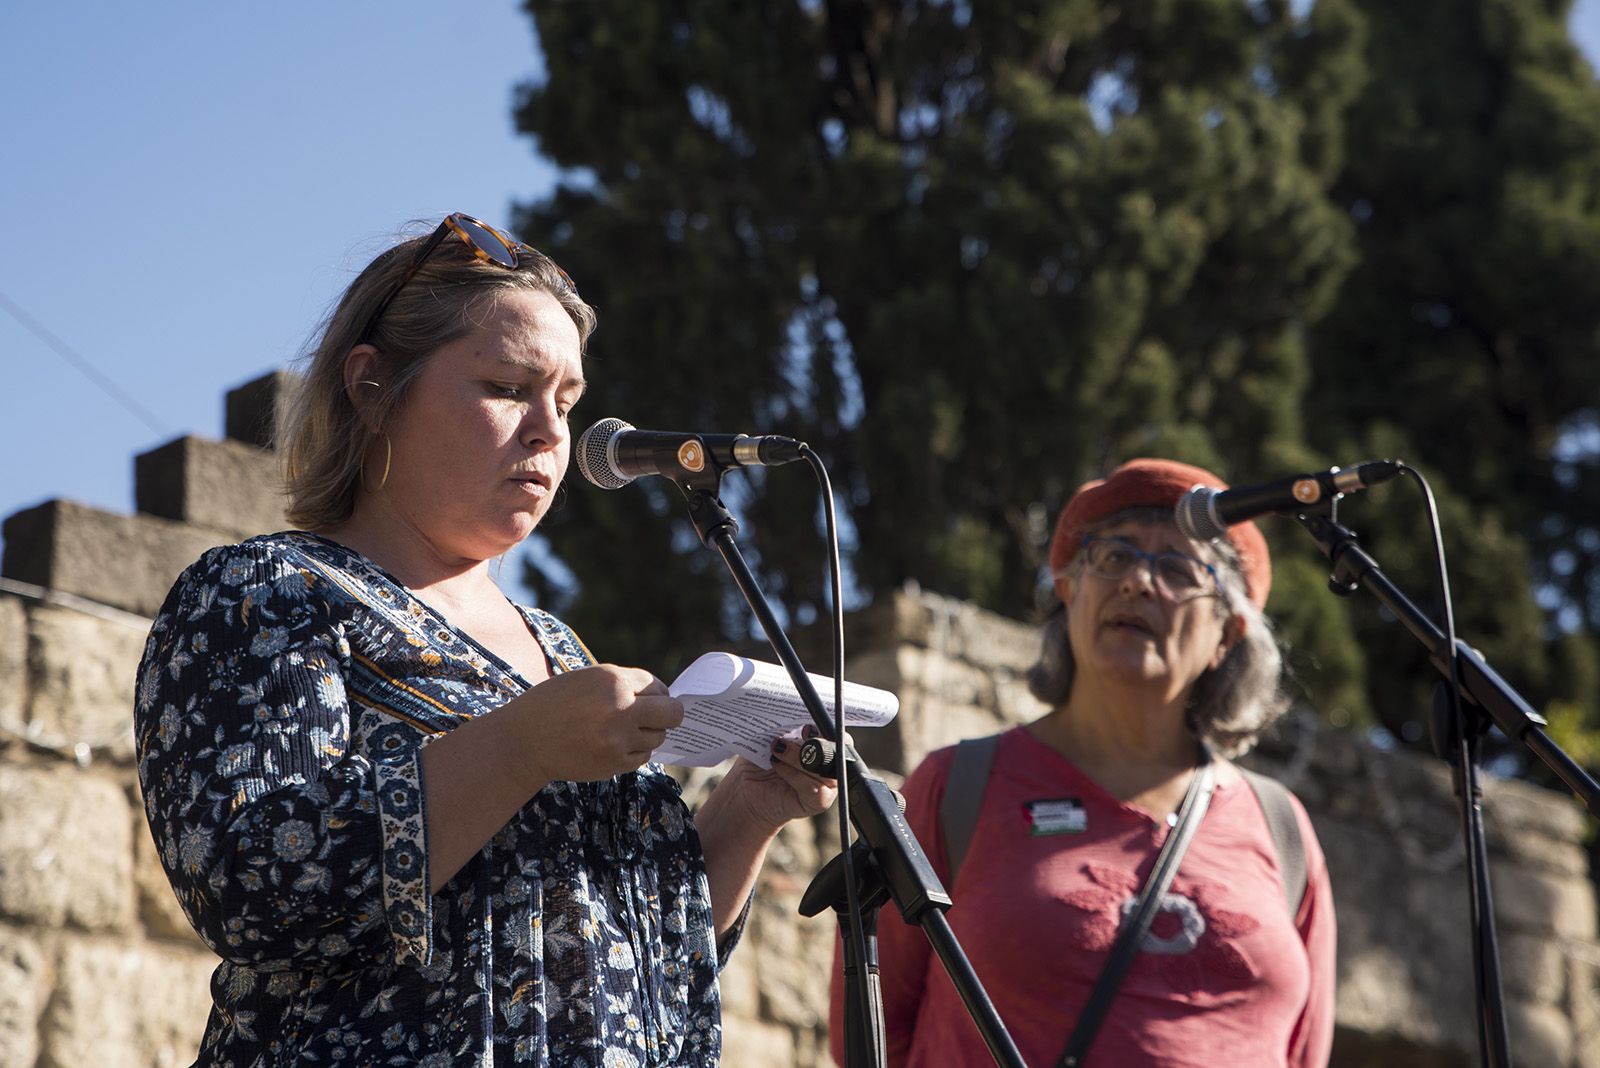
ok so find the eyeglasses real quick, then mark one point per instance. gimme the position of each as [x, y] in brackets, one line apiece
[486, 243]
[1179, 576]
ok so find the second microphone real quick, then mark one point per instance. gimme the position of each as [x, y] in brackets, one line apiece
[611, 453]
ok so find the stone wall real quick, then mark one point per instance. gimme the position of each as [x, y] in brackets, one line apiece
[97, 965]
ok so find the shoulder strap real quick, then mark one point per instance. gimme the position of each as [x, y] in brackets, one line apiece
[963, 796]
[1285, 831]
[1136, 924]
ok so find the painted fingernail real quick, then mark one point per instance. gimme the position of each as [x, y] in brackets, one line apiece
[808, 732]
[780, 746]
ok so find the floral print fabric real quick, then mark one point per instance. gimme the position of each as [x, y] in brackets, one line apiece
[285, 693]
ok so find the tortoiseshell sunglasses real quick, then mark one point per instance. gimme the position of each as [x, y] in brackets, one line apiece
[486, 243]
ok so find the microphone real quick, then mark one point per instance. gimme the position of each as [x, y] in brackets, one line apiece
[611, 453]
[1204, 512]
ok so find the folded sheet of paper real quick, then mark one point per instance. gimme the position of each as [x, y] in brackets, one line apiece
[733, 705]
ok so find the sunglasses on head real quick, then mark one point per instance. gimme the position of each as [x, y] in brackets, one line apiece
[486, 243]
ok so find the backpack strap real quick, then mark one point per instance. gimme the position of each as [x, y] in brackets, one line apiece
[1284, 827]
[969, 777]
[963, 796]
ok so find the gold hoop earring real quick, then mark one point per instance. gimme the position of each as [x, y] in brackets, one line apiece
[388, 455]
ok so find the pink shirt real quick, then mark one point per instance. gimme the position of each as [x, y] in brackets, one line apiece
[1224, 978]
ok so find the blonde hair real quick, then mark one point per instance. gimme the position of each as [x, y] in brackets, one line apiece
[323, 439]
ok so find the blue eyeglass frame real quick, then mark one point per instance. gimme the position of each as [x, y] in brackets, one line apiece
[1155, 569]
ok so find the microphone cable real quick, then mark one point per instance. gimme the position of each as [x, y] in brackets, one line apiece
[856, 929]
[1492, 1039]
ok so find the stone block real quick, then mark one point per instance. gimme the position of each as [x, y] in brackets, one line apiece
[808, 1048]
[1564, 858]
[915, 617]
[66, 850]
[741, 993]
[994, 640]
[1532, 824]
[25, 982]
[13, 662]
[221, 485]
[1540, 1035]
[125, 1003]
[82, 669]
[1354, 1048]
[1532, 968]
[882, 747]
[1408, 795]
[1301, 738]
[793, 959]
[1536, 901]
[1376, 1002]
[934, 724]
[1583, 985]
[900, 618]
[1404, 964]
[890, 668]
[754, 1042]
[966, 632]
[951, 681]
[696, 784]
[1293, 750]
[251, 410]
[1014, 703]
[877, 667]
[128, 562]
[1522, 807]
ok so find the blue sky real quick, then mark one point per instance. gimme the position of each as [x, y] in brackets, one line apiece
[188, 185]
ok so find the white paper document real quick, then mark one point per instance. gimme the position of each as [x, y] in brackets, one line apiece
[734, 705]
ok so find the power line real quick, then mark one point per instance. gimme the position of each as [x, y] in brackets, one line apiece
[88, 370]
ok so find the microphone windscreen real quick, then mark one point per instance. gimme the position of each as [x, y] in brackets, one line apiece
[594, 454]
[1195, 515]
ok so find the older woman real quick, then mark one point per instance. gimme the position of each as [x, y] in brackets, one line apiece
[1157, 659]
[415, 819]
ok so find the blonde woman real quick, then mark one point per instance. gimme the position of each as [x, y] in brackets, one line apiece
[417, 821]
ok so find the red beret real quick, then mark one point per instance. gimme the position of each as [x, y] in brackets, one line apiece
[1148, 483]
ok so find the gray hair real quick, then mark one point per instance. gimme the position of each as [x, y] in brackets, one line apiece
[323, 440]
[1230, 705]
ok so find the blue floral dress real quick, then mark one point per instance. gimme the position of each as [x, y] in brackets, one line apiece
[285, 693]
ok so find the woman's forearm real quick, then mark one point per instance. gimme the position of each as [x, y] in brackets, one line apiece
[735, 844]
[473, 781]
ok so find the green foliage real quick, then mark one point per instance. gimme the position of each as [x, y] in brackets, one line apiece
[972, 254]
[1466, 338]
[976, 253]
[1325, 665]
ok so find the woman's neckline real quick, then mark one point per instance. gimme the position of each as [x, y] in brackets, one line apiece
[443, 620]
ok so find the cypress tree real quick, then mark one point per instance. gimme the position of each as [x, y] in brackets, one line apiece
[972, 253]
[1467, 338]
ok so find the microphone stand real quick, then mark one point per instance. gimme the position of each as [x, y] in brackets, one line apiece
[1485, 697]
[887, 860]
